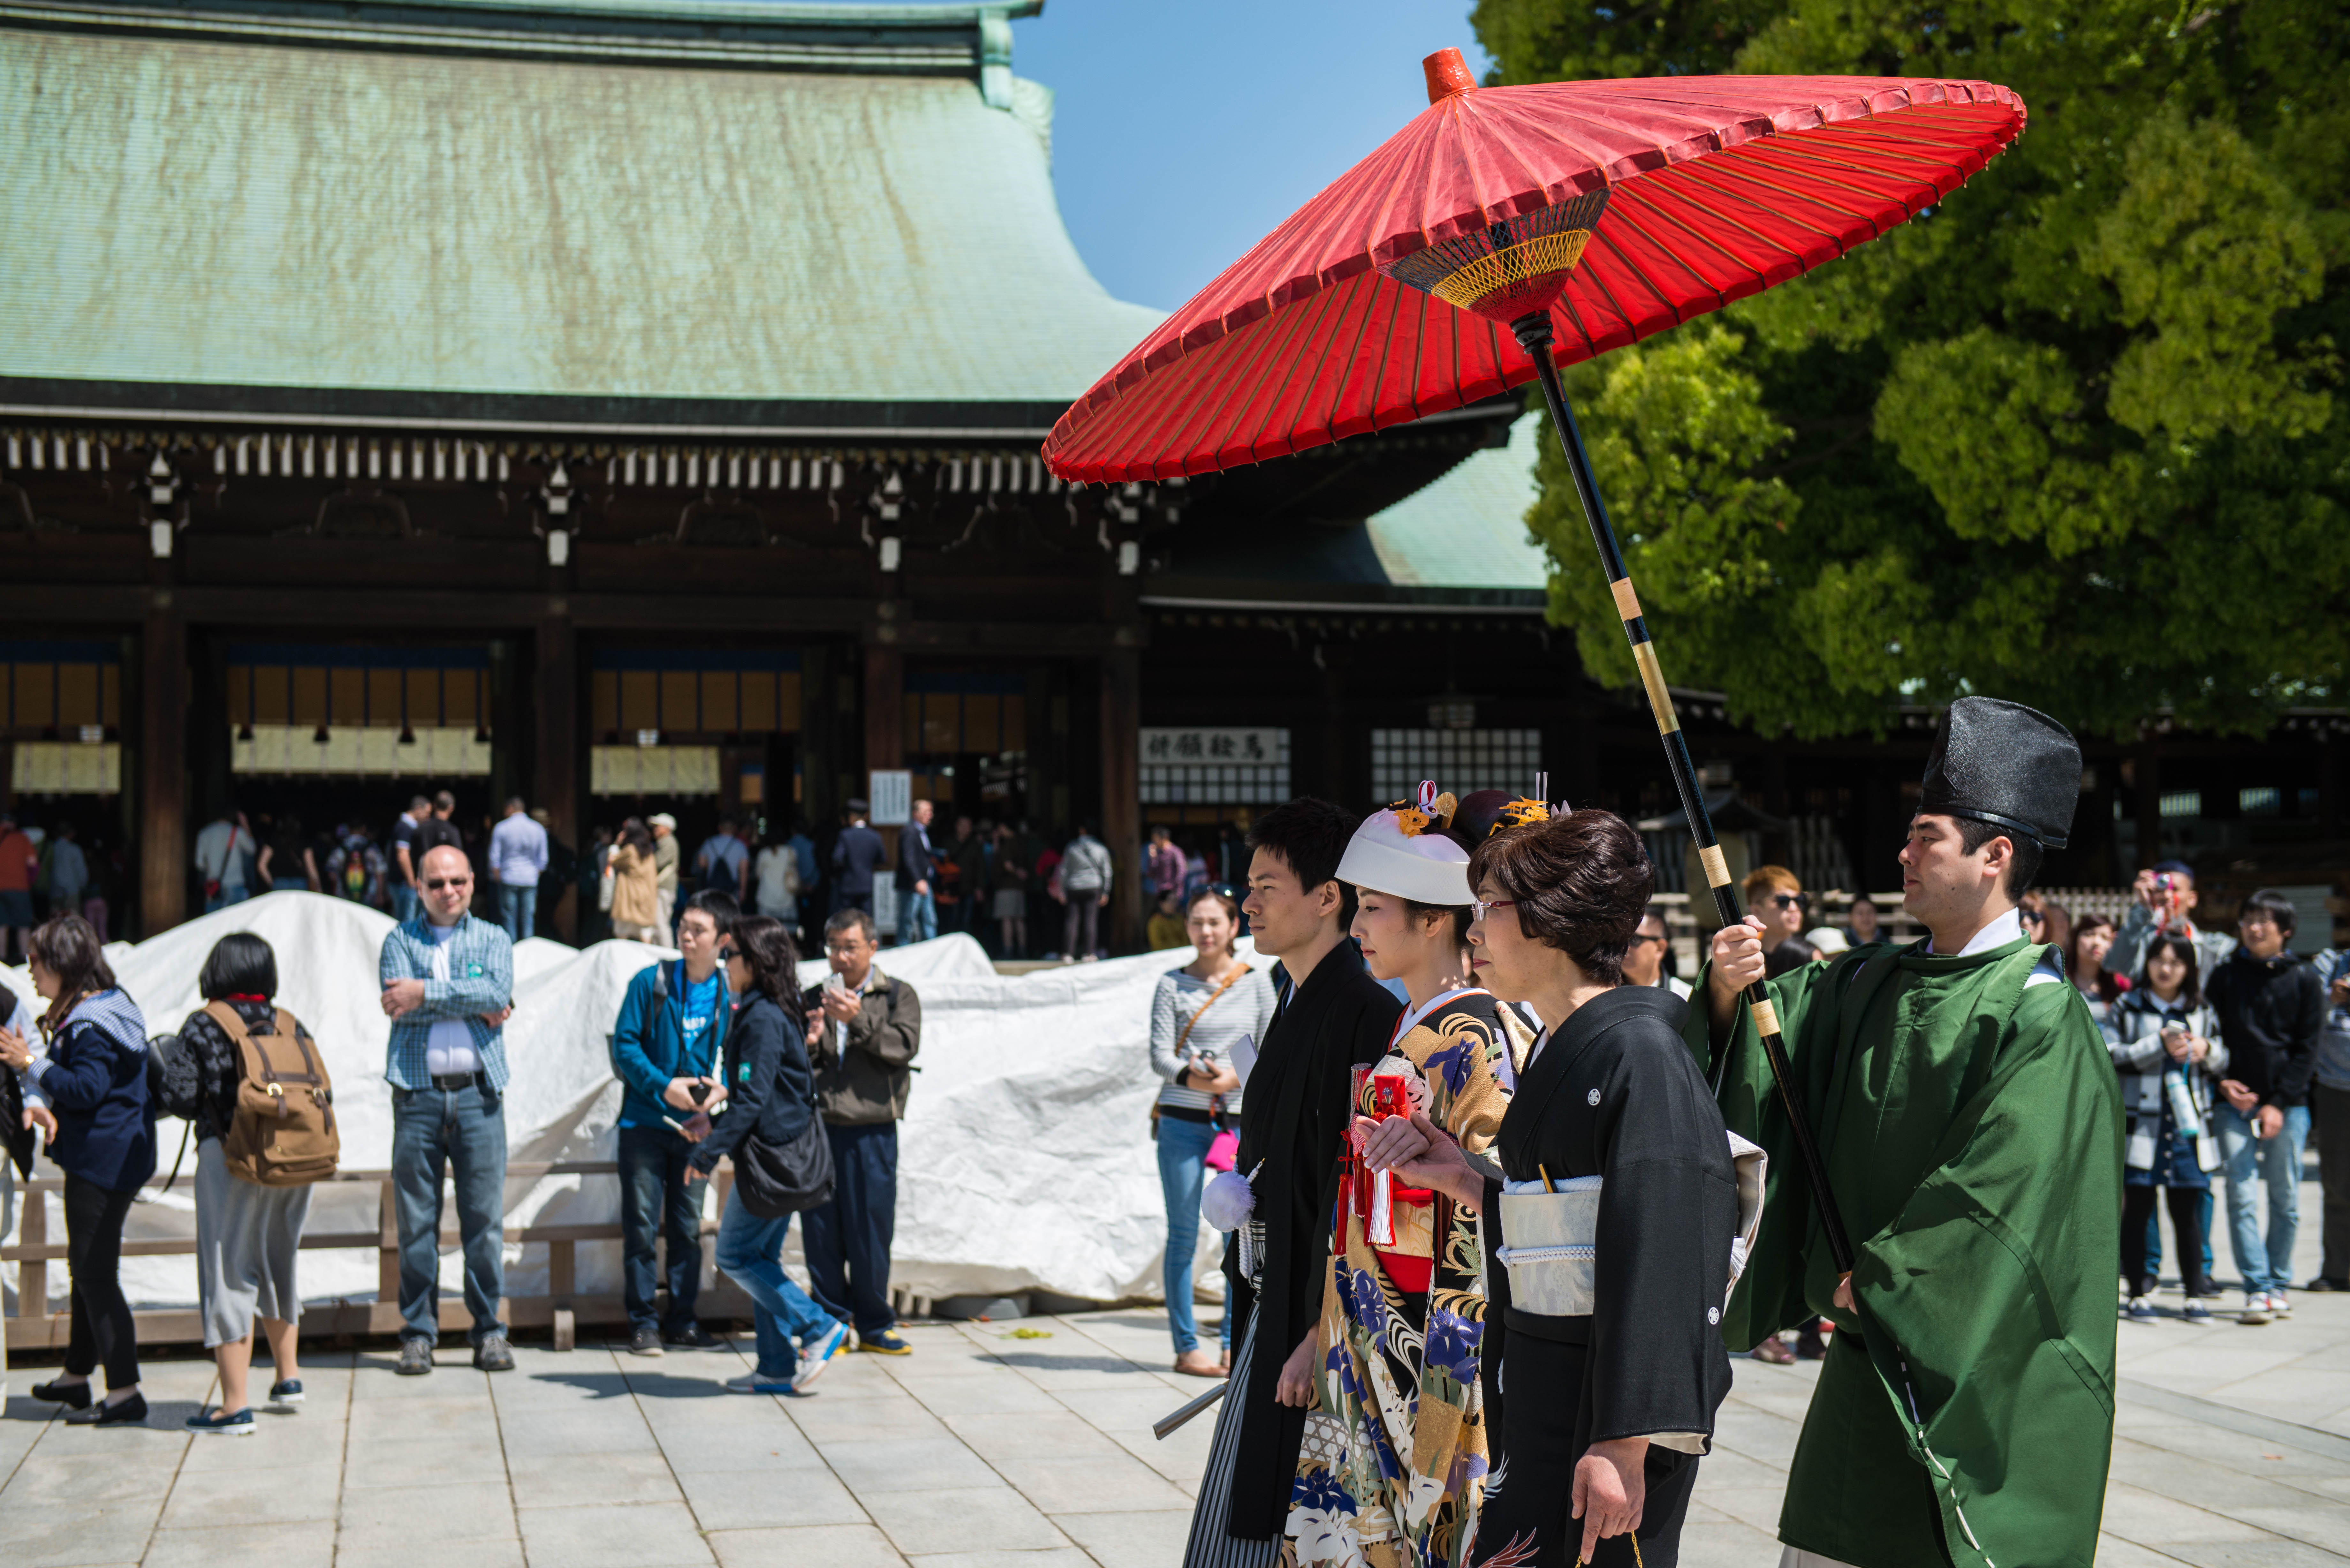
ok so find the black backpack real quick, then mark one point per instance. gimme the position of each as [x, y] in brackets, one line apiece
[174, 1089]
[174, 1085]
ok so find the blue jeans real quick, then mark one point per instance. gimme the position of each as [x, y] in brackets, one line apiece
[405, 903]
[277, 885]
[917, 918]
[751, 1251]
[518, 911]
[2253, 1163]
[848, 1239]
[227, 895]
[466, 1129]
[656, 1201]
[1182, 1147]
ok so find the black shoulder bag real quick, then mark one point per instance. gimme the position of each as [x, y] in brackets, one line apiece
[776, 1179]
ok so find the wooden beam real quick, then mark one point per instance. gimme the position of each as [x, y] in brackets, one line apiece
[1121, 776]
[163, 766]
[337, 611]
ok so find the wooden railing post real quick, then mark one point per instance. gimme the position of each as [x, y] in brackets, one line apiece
[387, 1262]
[33, 1277]
[559, 1259]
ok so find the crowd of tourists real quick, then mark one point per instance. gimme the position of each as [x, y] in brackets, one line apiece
[1003, 884]
[720, 1052]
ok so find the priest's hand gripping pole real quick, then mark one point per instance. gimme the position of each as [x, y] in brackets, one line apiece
[1533, 333]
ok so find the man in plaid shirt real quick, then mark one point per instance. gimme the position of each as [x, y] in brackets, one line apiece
[448, 986]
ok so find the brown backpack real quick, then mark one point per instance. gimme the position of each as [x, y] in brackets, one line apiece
[282, 1133]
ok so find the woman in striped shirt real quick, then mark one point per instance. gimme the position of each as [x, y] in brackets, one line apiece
[1198, 1014]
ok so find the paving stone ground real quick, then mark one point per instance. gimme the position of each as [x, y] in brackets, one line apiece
[990, 1448]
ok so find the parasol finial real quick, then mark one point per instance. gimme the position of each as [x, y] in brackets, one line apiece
[1448, 75]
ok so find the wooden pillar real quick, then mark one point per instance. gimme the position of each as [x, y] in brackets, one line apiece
[2149, 803]
[885, 707]
[2329, 782]
[556, 768]
[1121, 775]
[885, 732]
[162, 768]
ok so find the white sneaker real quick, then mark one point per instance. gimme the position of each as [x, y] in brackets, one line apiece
[818, 1353]
[2278, 1305]
[2256, 1307]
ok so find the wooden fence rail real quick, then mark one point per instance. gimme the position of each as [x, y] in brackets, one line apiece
[561, 1309]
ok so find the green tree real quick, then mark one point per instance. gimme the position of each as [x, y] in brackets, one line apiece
[2071, 437]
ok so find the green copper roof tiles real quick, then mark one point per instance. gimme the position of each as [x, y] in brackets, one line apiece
[231, 213]
[1468, 529]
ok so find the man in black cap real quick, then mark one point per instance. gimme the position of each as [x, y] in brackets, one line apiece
[1969, 1122]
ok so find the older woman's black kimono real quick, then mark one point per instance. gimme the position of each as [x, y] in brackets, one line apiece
[1612, 1092]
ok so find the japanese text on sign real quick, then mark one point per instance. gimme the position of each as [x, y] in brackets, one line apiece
[1210, 746]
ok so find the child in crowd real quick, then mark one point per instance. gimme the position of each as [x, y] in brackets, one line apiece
[2165, 1044]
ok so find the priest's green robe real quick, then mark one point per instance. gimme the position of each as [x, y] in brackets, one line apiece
[1972, 1127]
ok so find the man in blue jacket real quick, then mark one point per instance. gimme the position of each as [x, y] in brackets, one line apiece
[448, 988]
[665, 1050]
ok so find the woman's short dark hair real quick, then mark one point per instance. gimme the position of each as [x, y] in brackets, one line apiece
[240, 964]
[767, 948]
[2182, 947]
[2269, 901]
[67, 947]
[1580, 884]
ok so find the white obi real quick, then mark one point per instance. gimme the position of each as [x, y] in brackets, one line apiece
[1553, 1228]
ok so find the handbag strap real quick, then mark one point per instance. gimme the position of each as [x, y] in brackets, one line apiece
[1211, 1002]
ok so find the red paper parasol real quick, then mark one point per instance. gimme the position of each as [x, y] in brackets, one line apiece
[1714, 187]
[1581, 216]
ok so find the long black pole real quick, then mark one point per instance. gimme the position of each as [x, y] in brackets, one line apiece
[1533, 333]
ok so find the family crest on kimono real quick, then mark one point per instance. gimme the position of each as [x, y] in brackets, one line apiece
[1395, 1454]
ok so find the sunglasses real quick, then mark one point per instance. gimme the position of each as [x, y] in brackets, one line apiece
[1792, 900]
[1637, 939]
[728, 955]
[436, 884]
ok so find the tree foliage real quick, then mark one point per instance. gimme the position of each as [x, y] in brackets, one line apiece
[2073, 436]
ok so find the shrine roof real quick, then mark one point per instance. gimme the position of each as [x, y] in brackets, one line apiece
[735, 215]
[1468, 528]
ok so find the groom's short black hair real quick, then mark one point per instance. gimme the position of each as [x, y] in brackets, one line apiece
[1310, 836]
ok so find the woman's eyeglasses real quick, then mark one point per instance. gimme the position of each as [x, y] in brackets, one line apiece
[1484, 907]
[727, 955]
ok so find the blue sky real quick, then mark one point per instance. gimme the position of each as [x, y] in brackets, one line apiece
[1183, 132]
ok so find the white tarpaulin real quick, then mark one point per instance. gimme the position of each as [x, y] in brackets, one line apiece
[1024, 1159]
